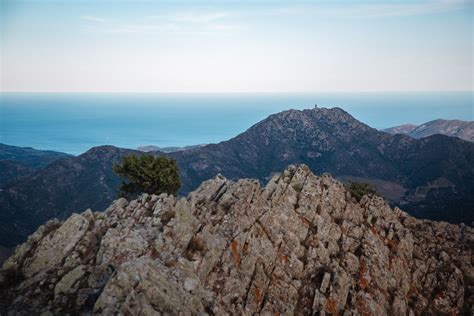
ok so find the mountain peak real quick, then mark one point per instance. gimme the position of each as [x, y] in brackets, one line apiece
[300, 245]
[103, 149]
[319, 111]
[453, 128]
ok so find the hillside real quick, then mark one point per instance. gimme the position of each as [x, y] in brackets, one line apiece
[301, 245]
[11, 171]
[432, 177]
[58, 190]
[30, 157]
[18, 162]
[454, 128]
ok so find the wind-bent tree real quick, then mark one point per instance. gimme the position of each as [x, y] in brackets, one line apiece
[148, 174]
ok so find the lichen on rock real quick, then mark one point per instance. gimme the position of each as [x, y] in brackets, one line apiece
[300, 245]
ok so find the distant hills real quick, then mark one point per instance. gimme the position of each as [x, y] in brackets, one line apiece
[431, 177]
[30, 157]
[151, 148]
[455, 128]
[17, 162]
[65, 186]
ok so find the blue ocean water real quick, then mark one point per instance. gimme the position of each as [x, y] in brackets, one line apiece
[74, 122]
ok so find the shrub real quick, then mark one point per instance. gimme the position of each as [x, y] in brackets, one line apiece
[148, 174]
[359, 189]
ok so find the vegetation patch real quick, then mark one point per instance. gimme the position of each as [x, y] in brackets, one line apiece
[359, 189]
[148, 174]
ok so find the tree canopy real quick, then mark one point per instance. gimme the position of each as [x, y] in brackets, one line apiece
[359, 189]
[148, 174]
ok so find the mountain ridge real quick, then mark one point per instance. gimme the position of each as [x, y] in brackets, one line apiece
[453, 128]
[29, 156]
[299, 245]
[18, 162]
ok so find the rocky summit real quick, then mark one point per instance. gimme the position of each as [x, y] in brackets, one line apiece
[301, 245]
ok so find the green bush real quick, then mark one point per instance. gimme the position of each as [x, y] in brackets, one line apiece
[148, 174]
[359, 189]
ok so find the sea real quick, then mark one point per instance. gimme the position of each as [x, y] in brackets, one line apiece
[75, 122]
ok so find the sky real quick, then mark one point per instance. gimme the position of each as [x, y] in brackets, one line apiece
[236, 46]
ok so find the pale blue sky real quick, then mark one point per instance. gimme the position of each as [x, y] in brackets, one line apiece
[236, 46]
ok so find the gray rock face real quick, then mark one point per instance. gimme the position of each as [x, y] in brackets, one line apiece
[301, 245]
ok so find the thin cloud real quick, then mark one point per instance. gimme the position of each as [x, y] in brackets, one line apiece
[399, 9]
[142, 28]
[228, 20]
[93, 18]
[199, 17]
[225, 27]
[191, 17]
[367, 10]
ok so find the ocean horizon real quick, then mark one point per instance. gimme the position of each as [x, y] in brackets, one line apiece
[75, 122]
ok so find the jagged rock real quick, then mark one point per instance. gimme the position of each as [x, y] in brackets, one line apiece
[301, 245]
[64, 286]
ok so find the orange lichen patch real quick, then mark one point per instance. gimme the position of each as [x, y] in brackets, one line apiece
[331, 306]
[258, 295]
[363, 283]
[305, 221]
[411, 291]
[362, 306]
[235, 252]
[363, 268]
[282, 257]
[392, 244]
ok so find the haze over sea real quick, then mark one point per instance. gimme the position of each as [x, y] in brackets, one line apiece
[75, 122]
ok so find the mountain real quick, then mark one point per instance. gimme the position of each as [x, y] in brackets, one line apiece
[19, 162]
[301, 245]
[405, 129]
[432, 177]
[151, 148]
[11, 171]
[455, 128]
[57, 190]
[30, 157]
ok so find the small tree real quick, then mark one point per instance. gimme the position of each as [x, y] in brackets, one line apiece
[148, 174]
[359, 189]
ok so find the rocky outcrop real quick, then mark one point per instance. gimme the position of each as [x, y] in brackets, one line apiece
[301, 245]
